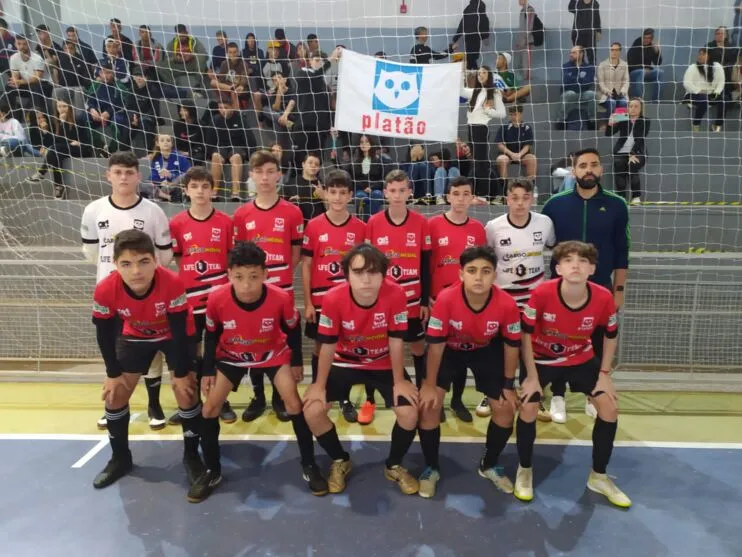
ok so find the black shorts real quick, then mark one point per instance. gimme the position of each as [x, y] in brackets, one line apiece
[236, 373]
[581, 377]
[200, 320]
[310, 329]
[135, 356]
[341, 379]
[415, 330]
[486, 365]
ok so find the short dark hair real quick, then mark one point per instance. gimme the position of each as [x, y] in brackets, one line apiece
[70, 29]
[133, 240]
[420, 30]
[374, 261]
[314, 154]
[396, 175]
[3, 23]
[114, 20]
[279, 34]
[181, 28]
[246, 254]
[123, 158]
[312, 37]
[520, 183]
[458, 182]
[616, 43]
[338, 178]
[20, 37]
[478, 252]
[198, 174]
[143, 26]
[262, 157]
[515, 108]
[233, 45]
[581, 249]
[586, 151]
[42, 27]
[648, 31]
[221, 33]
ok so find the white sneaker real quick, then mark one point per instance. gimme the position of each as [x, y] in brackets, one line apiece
[590, 409]
[484, 410]
[558, 410]
[439, 200]
[601, 483]
[636, 200]
[102, 422]
[524, 484]
[427, 482]
[4, 151]
[497, 476]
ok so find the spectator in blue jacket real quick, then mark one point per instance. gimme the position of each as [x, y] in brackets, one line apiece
[168, 169]
[578, 88]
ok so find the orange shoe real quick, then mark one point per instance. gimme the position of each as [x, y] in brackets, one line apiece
[366, 415]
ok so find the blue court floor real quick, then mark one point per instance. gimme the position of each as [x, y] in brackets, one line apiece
[687, 502]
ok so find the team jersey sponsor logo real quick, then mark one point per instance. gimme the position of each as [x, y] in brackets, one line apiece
[491, 327]
[458, 325]
[435, 323]
[444, 241]
[514, 328]
[138, 224]
[229, 325]
[349, 325]
[529, 312]
[250, 225]
[613, 320]
[379, 320]
[323, 238]
[538, 238]
[216, 234]
[411, 239]
[103, 224]
[124, 312]
[161, 308]
[587, 323]
[505, 242]
[382, 241]
[400, 318]
[305, 241]
[279, 224]
[187, 236]
[550, 317]
[426, 240]
[292, 321]
[350, 238]
[470, 241]
[266, 326]
[179, 301]
[325, 321]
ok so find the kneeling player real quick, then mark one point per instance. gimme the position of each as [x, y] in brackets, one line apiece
[151, 302]
[361, 328]
[558, 323]
[251, 325]
[473, 325]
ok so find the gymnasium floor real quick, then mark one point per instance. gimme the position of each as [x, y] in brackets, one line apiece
[678, 456]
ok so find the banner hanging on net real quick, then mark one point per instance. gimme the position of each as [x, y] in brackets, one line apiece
[413, 101]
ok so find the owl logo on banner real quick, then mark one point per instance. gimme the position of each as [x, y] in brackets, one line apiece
[397, 88]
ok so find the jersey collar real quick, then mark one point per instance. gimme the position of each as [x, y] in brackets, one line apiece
[561, 300]
[251, 306]
[110, 200]
[144, 296]
[211, 214]
[466, 301]
[390, 221]
[511, 223]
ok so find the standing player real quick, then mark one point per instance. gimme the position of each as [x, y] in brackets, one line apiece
[450, 234]
[473, 325]
[202, 238]
[327, 238]
[519, 239]
[403, 236]
[277, 227]
[251, 325]
[102, 220]
[361, 329]
[151, 302]
[558, 323]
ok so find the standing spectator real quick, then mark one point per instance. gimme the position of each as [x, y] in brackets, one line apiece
[515, 143]
[231, 76]
[286, 50]
[704, 83]
[234, 143]
[737, 79]
[474, 27]
[73, 70]
[150, 52]
[127, 45]
[48, 50]
[586, 29]
[281, 108]
[168, 169]
[514, 91]
[7, 46]
[253, 57]
[219, 52]
[265, 85]
[189, 134]
[644, 59]
[186, 58]
[578, 89]
[29, 76]
[120, 65]
[737, 33]
[629, 152]
[613, 80]
[82, 49]
[721, 50]
[367, 171]
[421, 53]
[306, 189]
[313, 44]
[524, 39]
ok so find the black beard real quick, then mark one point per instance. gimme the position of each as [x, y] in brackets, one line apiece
[587, 183]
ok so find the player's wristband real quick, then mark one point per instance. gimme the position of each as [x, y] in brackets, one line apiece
[509, 383]
[619, 288]
[606, 371]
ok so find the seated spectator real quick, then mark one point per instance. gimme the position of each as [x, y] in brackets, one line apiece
[189, 134]
[737, 80]
[305, 190]
[613, 81]
[514, 91]
[464, 157]
[722, 51]
[40, 134]
[234, 143]
[105, 107]
[515, 143]
[7, 46]
[150, 52]
[367, 171]
[302, 58]
[143, 101]
[578, 89]
[73, 70]
[286, 50]
[13, 140]
[563, 175]
[644, 59]
[168, 169]
[445, 169]
[82, 49]
[48, 50]
[421, 53]
[253, 57]
[232, 76]
[128, 50]
[185, 61]
[120, 64]
[69, 140]
[219, 52]
[29, 78]
[419, 172]
[704, 84]
[267, 87]
[629, 152]
[338, 147]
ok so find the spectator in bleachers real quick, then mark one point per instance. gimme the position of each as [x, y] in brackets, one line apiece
[40, 134]
[629, 152]
[368, 171]
[704, 84]
[613, 80]
[587, 28]
[421, 53]
[189, 134]
[73, 70]
[253, 57]
[515, 144]
[186, 60]
[474, 27]
[737, 79]
[105, 106]
[7, 46]
[514, 91]
[13, 139]
[737, 33]
[29, 77]
[313, 44]
[266, 86]
[48, 50]
[644, 59]
[302, 58]
[419, 171]
[143, 101]
[234, 143]
[464, 157]
[82, 49]
[168, 169]
[578, 89]
[445, 169]
[127, 45]
[524, 39]
[305, 190]
[120, 64]
[721, 50]
[150, 52]
[563, 175]
[232, 76]
[282, 108]
[285, 163]
[286, 51]
[219, 52]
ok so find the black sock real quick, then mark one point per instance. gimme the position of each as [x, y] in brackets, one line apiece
[276, 400]
[118, 432]
[604, 433]
[315, 365]
[497, 438]
[558, 388]
[331, 444]
[258, 386]
[153, 390]
[369, 393]
[430, 443]
[401, 441]
[191, 423]
[457, 388]
[419, 363]
[304, 439]
[525, 438]
[210, 444]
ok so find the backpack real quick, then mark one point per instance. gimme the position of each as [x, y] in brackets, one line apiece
[538, 30]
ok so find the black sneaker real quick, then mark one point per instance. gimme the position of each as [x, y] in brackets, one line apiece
[349, 411]
[156, 417]
[462, 413]
[254, 410]
[194, 467]
[203, 486]
[314, 478]
[175, 419]
[227, 415]
[114, 471]
[280, 409]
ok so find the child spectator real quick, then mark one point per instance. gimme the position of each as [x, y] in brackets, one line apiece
[168, 169]
[234, 142]
[367, 171]
[514, 91]
[421, 53]
[189, 134]
[219, 52]
[444, 170]
[515, 144]
[12, 135]
[150, 52]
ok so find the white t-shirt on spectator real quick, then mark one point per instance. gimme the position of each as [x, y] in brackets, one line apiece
[28, 68]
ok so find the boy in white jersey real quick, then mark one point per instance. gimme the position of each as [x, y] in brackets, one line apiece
[519, 238]
[102, 219]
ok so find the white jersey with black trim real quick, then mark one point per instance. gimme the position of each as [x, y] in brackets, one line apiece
[102, 220]
[520, 253]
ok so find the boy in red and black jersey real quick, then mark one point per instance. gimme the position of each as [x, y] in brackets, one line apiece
[251, 325]
[558, 322]
[277, 227]
[151, 303]
[473, 325]
[361, 328]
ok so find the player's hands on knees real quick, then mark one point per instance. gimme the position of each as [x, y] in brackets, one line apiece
[605, 384]
[112, 387]
[207, 384]
[297, 372]
[428, 397]
[508, 397]
[528, 388]
[315, 393]
[408, 391]
[185, 385]
[309, 313]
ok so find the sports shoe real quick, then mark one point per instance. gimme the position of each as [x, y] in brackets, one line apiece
[156, 417]
[543, 414]
[314, 478]
[102, 422]
[35, 178]
[114, 471]
[280, 409]
[601, 483]
[524, 484]
[590, 409]
[203, 486]
[194, 467]
[558, 410]
[427, 482]
[349, 411]
[366, 415]
[497, 476]
[636, 200]
[254, 410]
[483, 409]
[407, 482]
[439, 200]
[226, 414]
[339, 470]
[175, 419]
[462, 413]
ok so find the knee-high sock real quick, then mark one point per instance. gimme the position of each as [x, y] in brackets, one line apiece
[315, 364]
[118, 432]
[258, 386]
[303, 438]
[430, 442]
[497, 438]
[210, 444]
[401, 441]
[457, 390]
[153, 390]
[525, 438]
[191, 423]
[419, 363]
[604, 433]
[331, 444]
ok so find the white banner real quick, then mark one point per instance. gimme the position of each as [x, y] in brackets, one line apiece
[419, 102]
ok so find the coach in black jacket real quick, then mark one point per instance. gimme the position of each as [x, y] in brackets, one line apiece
[629, 152]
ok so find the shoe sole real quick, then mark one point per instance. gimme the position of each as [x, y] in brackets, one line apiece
[313, 492]
[229, 420]
[612, 502]
[559, 421]
[248, 419]
[111, 482]
[483, 414]
[521, 497]
[365, 422]
[102, 427]
[407, 491]
[157, 425]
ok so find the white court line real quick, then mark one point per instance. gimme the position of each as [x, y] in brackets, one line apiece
[84, 459]
[370, 438]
